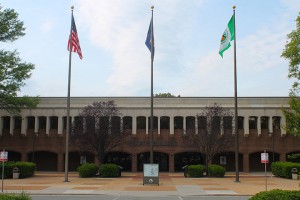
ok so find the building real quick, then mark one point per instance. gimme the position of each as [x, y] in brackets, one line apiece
[39, 134]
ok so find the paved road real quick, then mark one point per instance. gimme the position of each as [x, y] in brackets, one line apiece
[107, 197]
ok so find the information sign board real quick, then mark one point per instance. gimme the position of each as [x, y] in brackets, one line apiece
[3, 156]
[151, 174]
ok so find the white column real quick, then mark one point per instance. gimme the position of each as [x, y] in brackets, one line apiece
[12, 125]
[47, 125]
[184, 124]
[158, 125]
[258, 125]
[84, 125]
[147, 125]
[24, 125]
[246, 125]
[270, 124]
[282, 125]
[1, 125]
[59, 125]
[36, 124]
[222, 126]
[171, 125]
[134, 125]
[196, 125]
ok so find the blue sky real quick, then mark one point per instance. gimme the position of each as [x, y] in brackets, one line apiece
[187, 34]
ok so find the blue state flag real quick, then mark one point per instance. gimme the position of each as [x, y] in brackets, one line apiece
[150, 37]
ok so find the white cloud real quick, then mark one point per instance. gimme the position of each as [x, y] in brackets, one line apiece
[47, 26]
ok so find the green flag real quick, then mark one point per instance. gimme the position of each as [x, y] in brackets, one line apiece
[227, 36]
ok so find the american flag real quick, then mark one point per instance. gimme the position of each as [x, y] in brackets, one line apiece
[73, 39]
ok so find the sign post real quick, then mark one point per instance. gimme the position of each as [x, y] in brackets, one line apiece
[3, 158]
[265, 160]
[151, 174]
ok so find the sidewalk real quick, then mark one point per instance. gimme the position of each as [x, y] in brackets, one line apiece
[132, 184]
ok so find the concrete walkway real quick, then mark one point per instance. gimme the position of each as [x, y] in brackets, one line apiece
[132, 184]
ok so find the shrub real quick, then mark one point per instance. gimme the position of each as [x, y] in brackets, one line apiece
[87, 170]
[109, 170]
[284, 169]
[196, 170]
[277, 195]
[21, 196]
[216, 170]
[27, 169]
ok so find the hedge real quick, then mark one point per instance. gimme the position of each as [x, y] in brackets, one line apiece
[22, 196]
[87, 170]
[284, 169]
[216, 170]
[27, 169]
[196, 170]
[109, 170]
[277, 195]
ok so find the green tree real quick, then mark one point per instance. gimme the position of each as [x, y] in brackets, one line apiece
[165, 95]
[13, 71]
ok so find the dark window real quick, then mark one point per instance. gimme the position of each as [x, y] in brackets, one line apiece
[42, 122]
[276, 122]
[141, 122]
[53, 122]
[6, 122]
[116, 123]
[178, 122]
[190, 122]
[18, 123]
[65, 122]
[264, 122]
[201, 122]
[216, 123]
[127, 122]
[227, 122]
[240, 122]
[30, 122]
[90, 124]
[155, 122]
[165, 122]
[252, 122]
[104, 123]
[78, 123]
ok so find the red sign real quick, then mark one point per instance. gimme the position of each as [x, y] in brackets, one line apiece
[264, 158]
[3, 156]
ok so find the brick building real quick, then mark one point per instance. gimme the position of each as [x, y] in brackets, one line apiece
[39, 134]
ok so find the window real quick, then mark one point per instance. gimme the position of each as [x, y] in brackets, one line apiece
[127, 122]
[65, 122]
[6, 122]
[178, 122]
[155, 122]
[141, 122]
[252, 122]
[227, 122]
[30, 122]
[190, 122]
[240, 122]
[165, 122]
[42, 122]
[18, 123]
[264, 122]
[53, 122]
[276, 122]
[201, 122]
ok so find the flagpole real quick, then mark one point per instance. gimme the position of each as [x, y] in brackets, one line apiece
[151, 118]
[235, 108]
[68, 103]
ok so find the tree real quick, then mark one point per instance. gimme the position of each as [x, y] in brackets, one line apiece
[99, 129]
[165, 95]
[211, 138]
[291, 52]
[13, 71]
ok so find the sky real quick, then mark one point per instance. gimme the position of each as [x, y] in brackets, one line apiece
[116, 61]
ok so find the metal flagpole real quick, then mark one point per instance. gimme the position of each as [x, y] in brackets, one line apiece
[151, 118]
[68, 103]
[235, 108]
